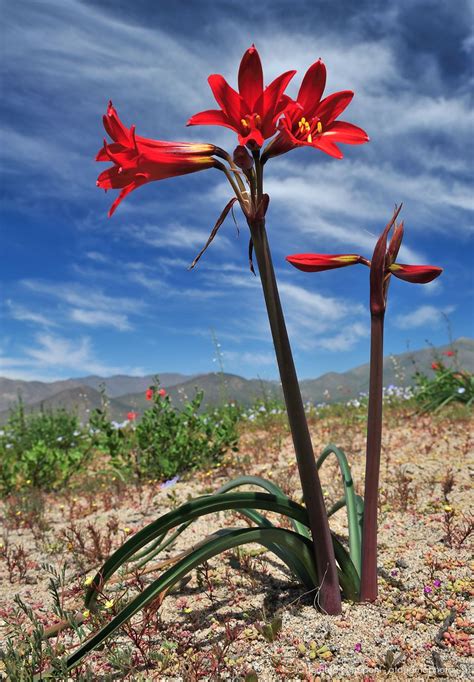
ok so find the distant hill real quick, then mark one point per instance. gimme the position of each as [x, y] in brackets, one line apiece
[398, 371]
[33, 392]
[128, 393]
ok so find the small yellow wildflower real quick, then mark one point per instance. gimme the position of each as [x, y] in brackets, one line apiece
[88, 581]
[86, 613]
[109, 603]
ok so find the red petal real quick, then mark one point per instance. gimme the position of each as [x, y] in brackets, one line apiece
[114, 126]
[340, 131]
[271, 103]
[211, 117]
[312, 88]
[333, 105]
[250, 77]
[121, 196]
[227, 98]
[327, 146]
[317, 262]
[280, 144]
[418, 274]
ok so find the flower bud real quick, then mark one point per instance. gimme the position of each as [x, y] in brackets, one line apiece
[242, 158]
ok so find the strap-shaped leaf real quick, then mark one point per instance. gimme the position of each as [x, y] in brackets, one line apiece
[355, 539]
[290, 541]
[270, 487]
[186, 512]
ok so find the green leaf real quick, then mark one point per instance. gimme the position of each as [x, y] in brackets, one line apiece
[187, 512]
[291, 541]
[270, 487]
[355, 535]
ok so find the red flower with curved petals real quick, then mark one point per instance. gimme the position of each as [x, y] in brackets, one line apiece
[138, 160]
[253, 111]
[308, 121]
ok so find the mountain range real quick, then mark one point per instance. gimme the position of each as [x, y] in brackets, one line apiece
[127, 393]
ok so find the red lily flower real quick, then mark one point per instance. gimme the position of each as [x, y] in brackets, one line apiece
[138, 160]
[131, 416]
[435, 365]
[381, 268]
[149, 394]
[252, 112]
[449, 353]
[162, 392]
[310, 121]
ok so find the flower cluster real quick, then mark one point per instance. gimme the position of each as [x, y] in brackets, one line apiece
[256, 113]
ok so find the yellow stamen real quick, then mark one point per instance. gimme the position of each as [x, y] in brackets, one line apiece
[244, 123]
[310, 138]
[320, 127]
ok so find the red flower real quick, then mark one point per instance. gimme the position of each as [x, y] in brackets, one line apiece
[317, 262]
[449, 353]
[252, 112]
[310, 121]
[381, 268]
[131, 416]
[435, 365]
[149, 394]
[138, 160]
[162, 392]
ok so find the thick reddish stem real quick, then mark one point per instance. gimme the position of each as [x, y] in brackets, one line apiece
[329, 598]
[368, 587]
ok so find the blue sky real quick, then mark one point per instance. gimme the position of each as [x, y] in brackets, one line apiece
[84, 294]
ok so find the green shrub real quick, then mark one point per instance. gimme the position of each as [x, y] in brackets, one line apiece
[41, 450]
[168, 440]
[447, 386]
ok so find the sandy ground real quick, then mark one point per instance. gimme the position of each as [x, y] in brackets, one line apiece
[214, 626]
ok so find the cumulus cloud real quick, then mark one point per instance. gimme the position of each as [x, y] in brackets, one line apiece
[424, 316]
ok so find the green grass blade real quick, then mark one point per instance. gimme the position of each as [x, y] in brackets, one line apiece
[290, 541]
[270, 487]
[355, 537]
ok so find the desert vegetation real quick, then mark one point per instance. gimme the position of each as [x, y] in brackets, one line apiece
[241, 616]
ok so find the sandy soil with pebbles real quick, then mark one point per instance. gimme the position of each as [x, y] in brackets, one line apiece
[216, 626]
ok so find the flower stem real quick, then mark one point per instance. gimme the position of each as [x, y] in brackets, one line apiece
[368, 589]
[329, 597]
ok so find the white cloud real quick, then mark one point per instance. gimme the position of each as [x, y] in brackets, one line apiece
[346, 339]
[60, 353]
[174, 234]
[100, 318]
[83, 296]
[425, 315]
[18, 312]
[253, 359]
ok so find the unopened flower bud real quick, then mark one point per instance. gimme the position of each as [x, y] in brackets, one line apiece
[242, 158]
